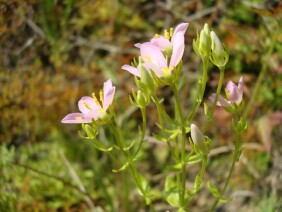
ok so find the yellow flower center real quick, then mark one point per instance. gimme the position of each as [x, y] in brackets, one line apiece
[148, 58]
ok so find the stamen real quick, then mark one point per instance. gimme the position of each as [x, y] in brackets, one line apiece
[166, 34]
[101, 96]
[157, 36]
[170, 32]
[95, 99]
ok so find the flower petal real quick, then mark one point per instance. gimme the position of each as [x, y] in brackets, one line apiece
[86, 104]
[240, 90]
[181, 28]
[177, 49]
[161, 42]
[152, 67]
[75, 118]
[232, 91]
[109, 92]
[131, 69]
[220, 102]
[152, 54]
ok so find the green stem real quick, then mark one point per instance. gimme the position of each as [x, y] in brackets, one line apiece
[236, 152]
[183, 171]
[203, 169]
[205, 61]
[144, 126]
[132, 168]
[159, 110]
[220, 82]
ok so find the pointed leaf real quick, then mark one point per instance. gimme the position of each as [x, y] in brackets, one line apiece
[214, 190]
[123, 168]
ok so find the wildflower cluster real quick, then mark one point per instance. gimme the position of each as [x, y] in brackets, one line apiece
[160, 63]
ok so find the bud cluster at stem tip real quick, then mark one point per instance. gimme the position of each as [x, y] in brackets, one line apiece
[208, 45]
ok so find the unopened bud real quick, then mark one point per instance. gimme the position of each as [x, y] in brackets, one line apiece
[142, 99]
[216, 45]
[219, 55]
[198, 139]
[205, 41]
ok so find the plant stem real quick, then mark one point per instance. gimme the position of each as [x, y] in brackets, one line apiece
[205, 61]
[144, 126]
[203, 169]
[183, 171]
[220, 82]
[128, 158]
[159, 110]
[235, 156]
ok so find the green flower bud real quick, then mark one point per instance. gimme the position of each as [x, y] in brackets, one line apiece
[198, 139]
[202, 44]
[142, 99]
[205, 41]
[91, 131]
[219, 55]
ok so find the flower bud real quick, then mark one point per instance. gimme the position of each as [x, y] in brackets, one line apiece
[202, 44]
[205, 41]
[91, 131]
[142, 99]
[219, 55]
[198, 139]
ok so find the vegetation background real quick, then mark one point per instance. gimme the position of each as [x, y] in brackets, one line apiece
[54, 52]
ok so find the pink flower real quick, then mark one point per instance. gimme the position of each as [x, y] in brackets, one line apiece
[234, 94]
[156, 53]
[91, 108]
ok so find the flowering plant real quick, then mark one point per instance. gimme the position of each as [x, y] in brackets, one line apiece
[160, 63]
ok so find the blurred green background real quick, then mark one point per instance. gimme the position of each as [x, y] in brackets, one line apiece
[55, 52]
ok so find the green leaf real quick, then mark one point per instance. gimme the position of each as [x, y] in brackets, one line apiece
[173, 199]
[214, 190]
[145, 186]
[181, 210]
[174, 134]
[197, 183]
[130, 146]
[177, 167]
[193, 159]
[101, 147]
[171, 192]
[123, 168]
[159, 138]
[225, 200]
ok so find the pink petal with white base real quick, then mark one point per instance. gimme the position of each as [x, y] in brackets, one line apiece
[240, 90]
[131, 69]
[109, 92]
[177, 50]
[75, 118]
[152, 54]
[220, 102]
[181, 28]
[152, 67]
[86, 104]
[161, 42]
[232, 91]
